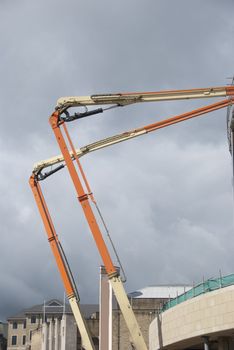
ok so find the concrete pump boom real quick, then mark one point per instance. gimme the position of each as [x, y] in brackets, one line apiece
[123, 99]
[84, 194]
[62, 264]
[58, 119]
[127, 135]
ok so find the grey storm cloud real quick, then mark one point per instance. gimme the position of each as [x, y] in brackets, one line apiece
[167, 197]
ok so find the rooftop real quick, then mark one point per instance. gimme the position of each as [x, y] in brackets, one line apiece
[54, 306]
[162, 291]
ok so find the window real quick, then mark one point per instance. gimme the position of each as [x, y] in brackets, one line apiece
[15, 325]
[24, 340]
[24, 324]
[33, 319]
[14, 340]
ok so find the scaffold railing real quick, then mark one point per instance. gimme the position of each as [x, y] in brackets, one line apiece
[204, 287]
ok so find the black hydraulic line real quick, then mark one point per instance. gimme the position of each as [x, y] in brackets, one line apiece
[87, 113]
[70, 118]
[124, 278]
[70, 273]
[42, 176]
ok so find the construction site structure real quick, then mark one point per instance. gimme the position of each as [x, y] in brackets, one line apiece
[58, 121]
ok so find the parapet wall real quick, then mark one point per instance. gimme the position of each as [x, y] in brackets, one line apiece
[187, 322]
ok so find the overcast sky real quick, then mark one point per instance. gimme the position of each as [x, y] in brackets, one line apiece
[167, 197]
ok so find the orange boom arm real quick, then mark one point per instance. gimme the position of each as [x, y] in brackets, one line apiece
[62, 264]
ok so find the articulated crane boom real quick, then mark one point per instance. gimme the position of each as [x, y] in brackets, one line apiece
[124, 99]
[127, 135]
[58, 120]
[62, 264]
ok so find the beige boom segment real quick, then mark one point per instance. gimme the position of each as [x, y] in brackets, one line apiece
[80, 321]
[136, 97]
[129, 317]
[66, 102]
[89, 148]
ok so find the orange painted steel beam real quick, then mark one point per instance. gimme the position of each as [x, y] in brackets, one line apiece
[90, 193]
[228, 89]
[52, 236]
[185, 116]
[62, 264]
[82, 196]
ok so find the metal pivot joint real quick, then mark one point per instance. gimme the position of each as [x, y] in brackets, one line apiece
[42, 176]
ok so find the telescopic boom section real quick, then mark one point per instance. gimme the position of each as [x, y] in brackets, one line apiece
[114, 278]
[123, 99]
[62, 264]
[127, 135]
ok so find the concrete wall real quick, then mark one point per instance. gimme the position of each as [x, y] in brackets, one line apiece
[93, 325]
[70, 332]
[145, 310]
[36, 342]
[184, 325]
[56, 334]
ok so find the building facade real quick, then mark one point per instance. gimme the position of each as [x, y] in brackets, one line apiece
[51, 326]
[146, 304]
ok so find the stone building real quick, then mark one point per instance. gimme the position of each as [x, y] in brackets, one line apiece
[52, 326]
[146, 303]
[49, 326]
[200, 319]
